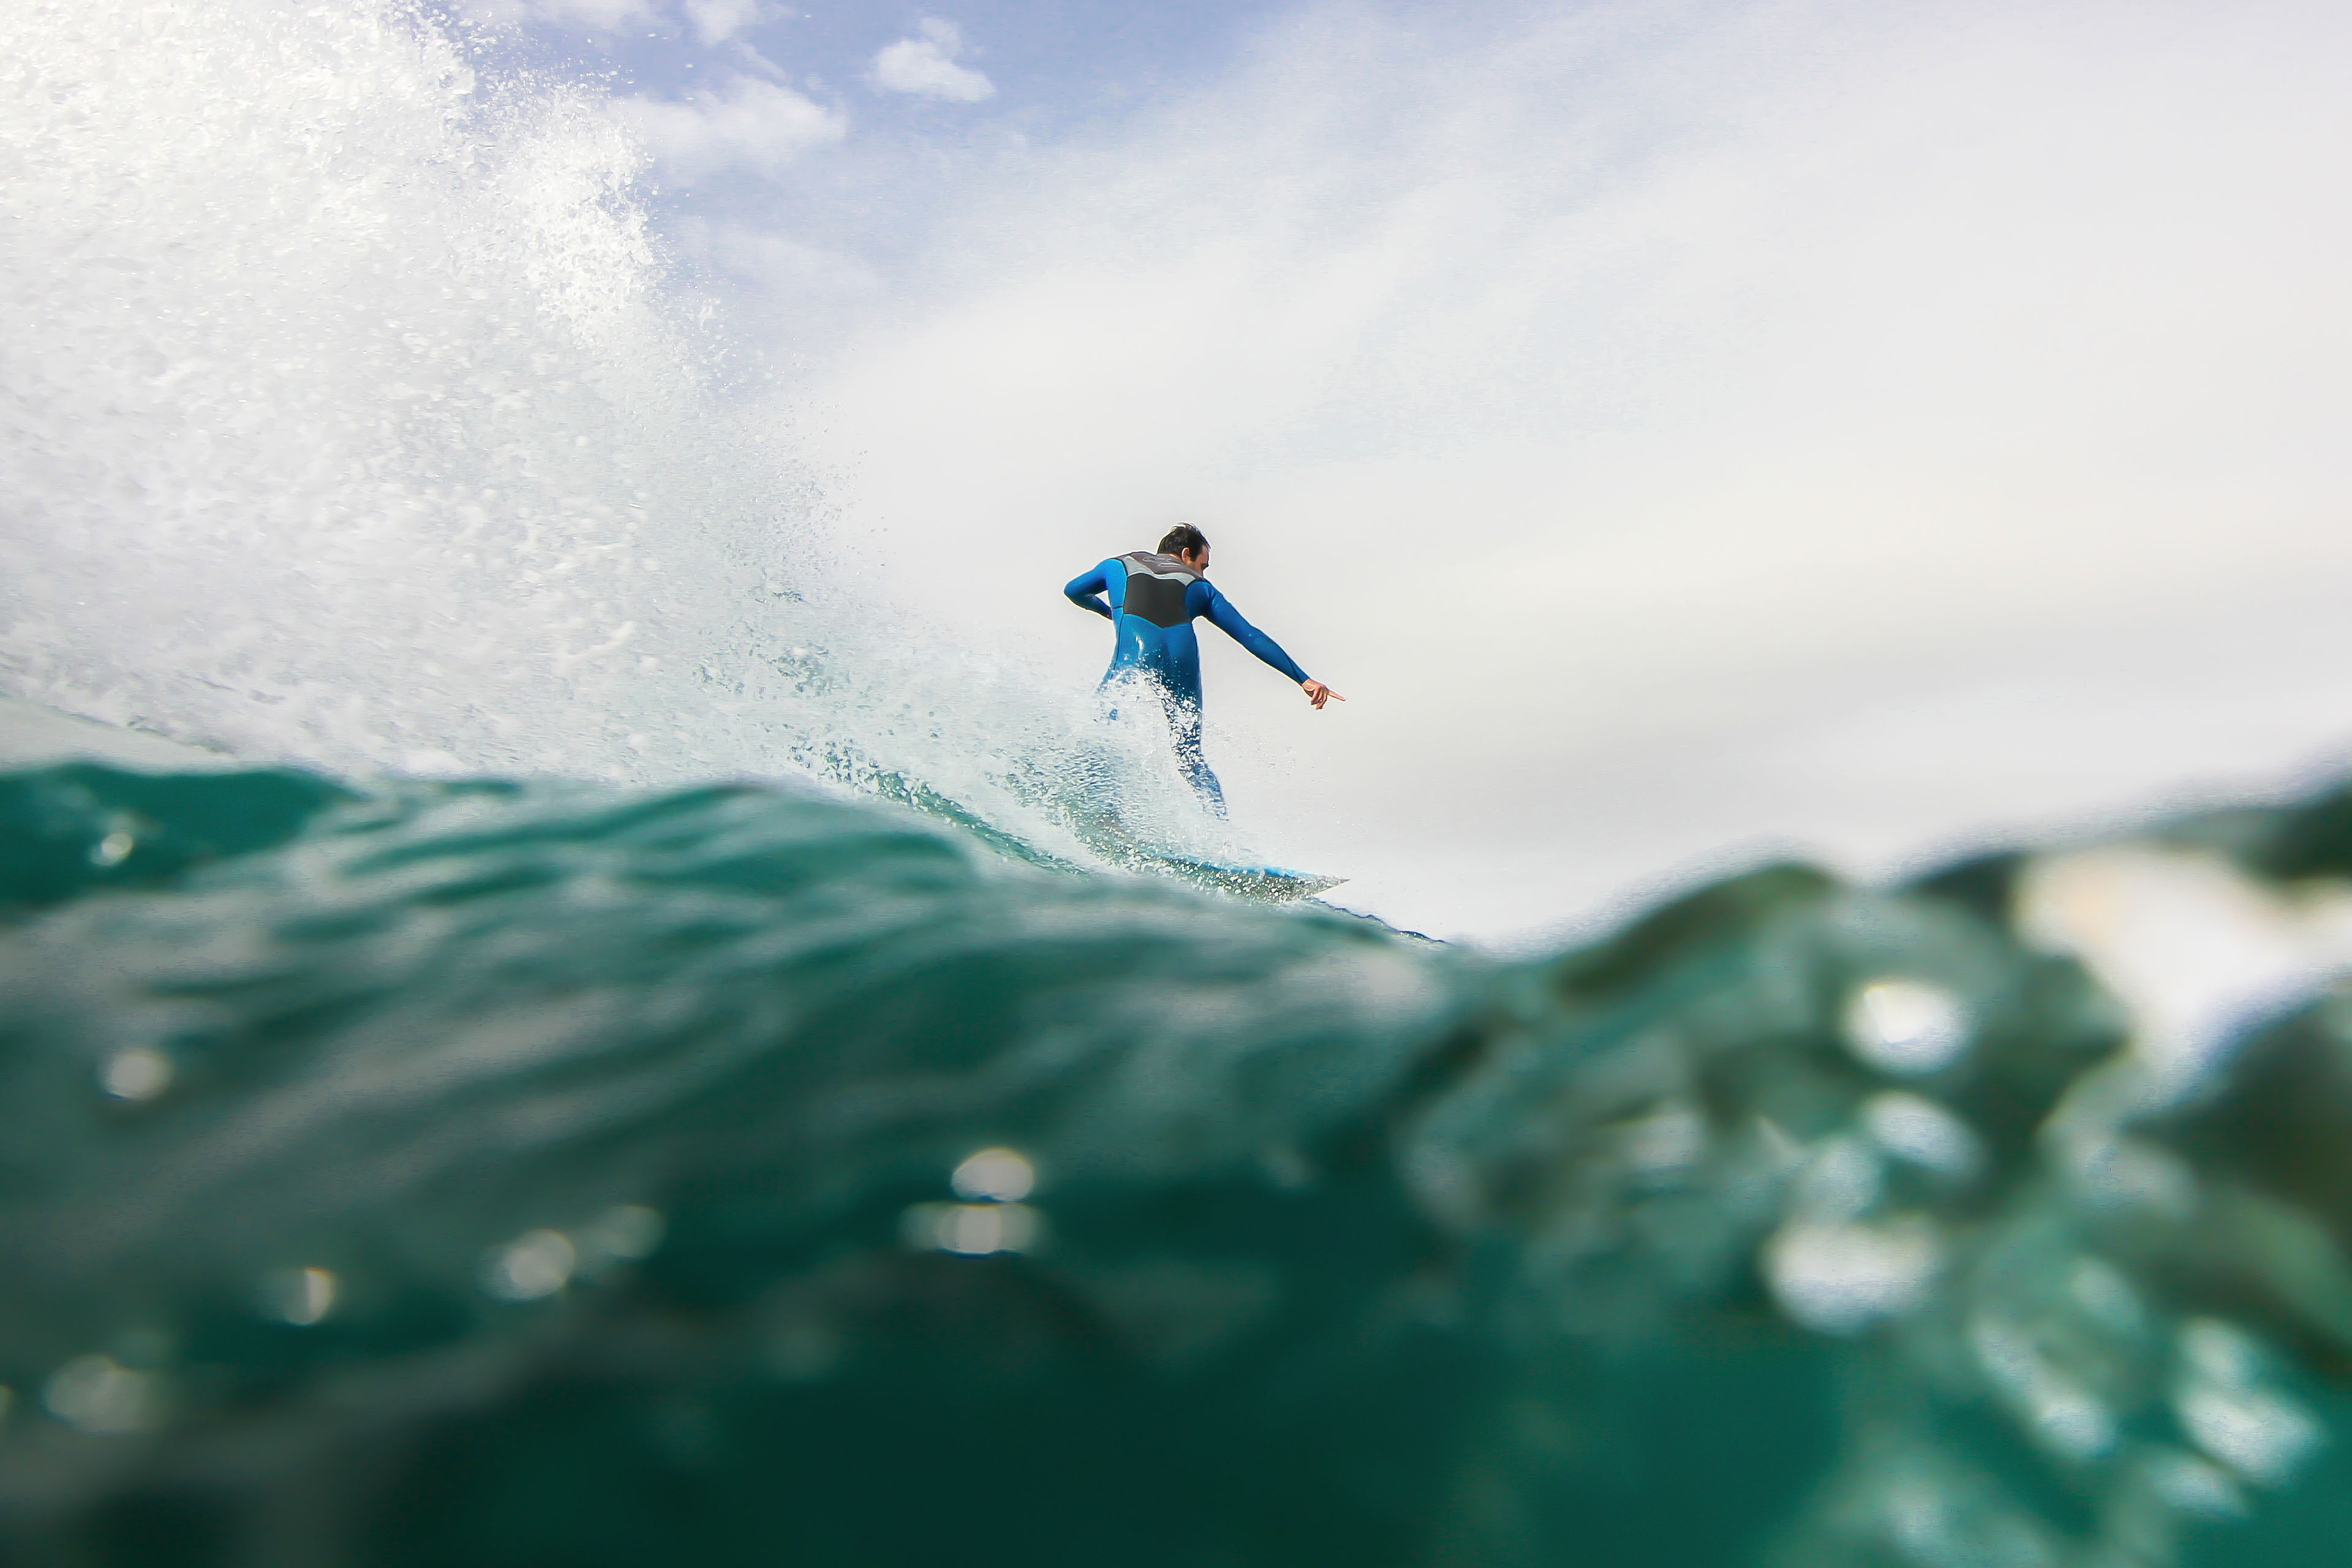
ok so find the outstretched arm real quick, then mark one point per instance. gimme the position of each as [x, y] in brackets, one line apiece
[1085, 590]
[1226, 619]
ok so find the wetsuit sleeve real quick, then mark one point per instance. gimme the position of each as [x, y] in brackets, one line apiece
[1228, 620]
[1083, 591]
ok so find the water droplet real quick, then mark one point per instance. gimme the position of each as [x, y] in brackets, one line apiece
[2256, 1431]
[98, 1395]
[1923, 1133]
[2261, 1435]
[1906, 1027]
[2217, 1353]
[2194, 1486]
[999, 1175]
[140, 1073]
[302, 1297]
[1841, 1279]
[972, 1230]
[1671, 1139]
[2067, 1416]
[536, 1264]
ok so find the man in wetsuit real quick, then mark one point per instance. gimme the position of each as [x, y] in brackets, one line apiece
[1152, 600]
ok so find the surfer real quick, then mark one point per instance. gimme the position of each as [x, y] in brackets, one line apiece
[1152, 598]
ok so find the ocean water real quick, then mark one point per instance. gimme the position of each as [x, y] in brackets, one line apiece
[495, 1172]
[540, 1039]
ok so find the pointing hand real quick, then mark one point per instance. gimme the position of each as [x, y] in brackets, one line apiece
[1318, 694]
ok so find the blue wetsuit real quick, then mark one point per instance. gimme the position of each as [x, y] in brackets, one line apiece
[1152, 600]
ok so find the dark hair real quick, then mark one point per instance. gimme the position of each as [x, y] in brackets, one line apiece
[1185, 537]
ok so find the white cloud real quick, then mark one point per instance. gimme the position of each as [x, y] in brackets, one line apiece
[744, 123]
[776, 286]
[716, 21]
[926, 66]
[792, 273]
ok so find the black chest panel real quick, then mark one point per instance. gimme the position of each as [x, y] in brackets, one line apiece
[1159, 600]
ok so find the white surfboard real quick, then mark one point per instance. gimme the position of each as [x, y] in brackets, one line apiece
[1268, 884]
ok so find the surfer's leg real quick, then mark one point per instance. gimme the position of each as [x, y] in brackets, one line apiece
[1184, 724]
[1212, 794]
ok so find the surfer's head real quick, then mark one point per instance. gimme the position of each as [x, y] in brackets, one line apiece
[1188, 544]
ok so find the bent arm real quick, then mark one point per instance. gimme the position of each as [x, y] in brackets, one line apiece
[1228, 620]
[1083, 591]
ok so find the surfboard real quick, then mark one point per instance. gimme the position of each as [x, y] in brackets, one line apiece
[1268, 884]
[1099, 826]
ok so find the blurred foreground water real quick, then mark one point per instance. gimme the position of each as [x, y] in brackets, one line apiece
[489, 1173]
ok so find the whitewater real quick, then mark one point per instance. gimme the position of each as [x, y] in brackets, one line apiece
[350, 424]
[541, 1022]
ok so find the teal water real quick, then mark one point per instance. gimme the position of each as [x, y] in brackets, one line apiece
[498, 1173]
[875, 1171]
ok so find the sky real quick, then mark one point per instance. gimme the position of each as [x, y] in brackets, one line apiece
[1685, 432]
[804, 153]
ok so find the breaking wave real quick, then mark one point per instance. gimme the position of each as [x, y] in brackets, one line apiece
[348, 421]
[451, 1128]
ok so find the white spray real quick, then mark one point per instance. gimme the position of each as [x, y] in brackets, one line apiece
[343, 420]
